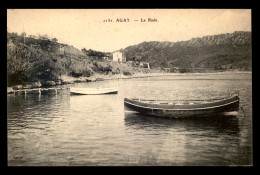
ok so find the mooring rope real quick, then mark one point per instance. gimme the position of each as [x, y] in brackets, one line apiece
[243, 110]
[241, 105]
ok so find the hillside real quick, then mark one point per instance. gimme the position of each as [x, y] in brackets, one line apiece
[42, 59]
[217, 52]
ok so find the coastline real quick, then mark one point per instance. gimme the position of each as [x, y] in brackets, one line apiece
[101, 77]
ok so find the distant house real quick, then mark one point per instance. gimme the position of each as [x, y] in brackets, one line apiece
[106, 58]
[62, 50]
[135, 63]
[118, 57]
[144, 65]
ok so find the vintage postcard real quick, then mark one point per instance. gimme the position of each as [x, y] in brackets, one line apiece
[129, 87]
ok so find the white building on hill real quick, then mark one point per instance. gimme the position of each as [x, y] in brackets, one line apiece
[119, 57]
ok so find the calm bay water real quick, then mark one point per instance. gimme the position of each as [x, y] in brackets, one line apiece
[95, 130]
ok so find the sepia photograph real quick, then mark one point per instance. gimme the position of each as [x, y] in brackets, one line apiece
[129, 87]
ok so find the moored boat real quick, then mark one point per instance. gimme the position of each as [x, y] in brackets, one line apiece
[93, 91]
[191, 108]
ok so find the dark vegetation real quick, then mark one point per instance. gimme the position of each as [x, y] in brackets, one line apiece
[30, 59]
[210, 53]
[41, 58]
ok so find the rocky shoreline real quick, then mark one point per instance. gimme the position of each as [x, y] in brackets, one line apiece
[98, 77]
[71, 80]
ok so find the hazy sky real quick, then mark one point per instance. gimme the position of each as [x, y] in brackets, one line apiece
[85, 28]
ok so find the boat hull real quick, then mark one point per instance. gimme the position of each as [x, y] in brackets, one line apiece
[87, 91]
[180, 111]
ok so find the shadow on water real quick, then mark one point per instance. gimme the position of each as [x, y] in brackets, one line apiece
[218, 123]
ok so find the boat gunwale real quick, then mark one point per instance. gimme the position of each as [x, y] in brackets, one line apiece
[171, 107]
[101, 93]
[91, 89]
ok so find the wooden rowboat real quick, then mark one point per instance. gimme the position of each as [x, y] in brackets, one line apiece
[93, 91]
[194, 108]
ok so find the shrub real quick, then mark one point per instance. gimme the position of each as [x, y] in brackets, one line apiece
[87, 72]
[183, 70]
[126, 73]
[102, 67]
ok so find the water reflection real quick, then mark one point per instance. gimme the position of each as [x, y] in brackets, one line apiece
[222, 124]
[190, 141]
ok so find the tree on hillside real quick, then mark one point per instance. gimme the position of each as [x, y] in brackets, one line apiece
[84, 51]
[94, 53]
[23, 34]
[54, 40]
[17, 64]
[42, 65]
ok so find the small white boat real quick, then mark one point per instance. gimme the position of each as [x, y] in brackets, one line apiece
[93, 91]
